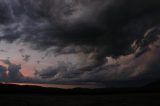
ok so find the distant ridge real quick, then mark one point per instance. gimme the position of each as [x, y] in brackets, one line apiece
[26, 89]
[154, 85]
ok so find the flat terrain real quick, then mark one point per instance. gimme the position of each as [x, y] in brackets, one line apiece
[132, 99]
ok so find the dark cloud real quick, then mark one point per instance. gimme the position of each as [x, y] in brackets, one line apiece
[38, 62]
[3, 73]
[112, 23]
[4, 51]
[61, 23]
[47, 73]
[14, 73]
[21, 50]
[101, 28]
[124, 71]
[26, 58]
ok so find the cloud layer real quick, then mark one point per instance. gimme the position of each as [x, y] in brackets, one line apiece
[110, 40]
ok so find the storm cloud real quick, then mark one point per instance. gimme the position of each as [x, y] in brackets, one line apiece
[12, 72]
[105, 40]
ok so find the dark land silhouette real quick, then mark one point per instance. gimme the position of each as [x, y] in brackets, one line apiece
[40, 96]
[38, 90]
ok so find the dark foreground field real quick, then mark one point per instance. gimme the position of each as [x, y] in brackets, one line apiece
[14, 95]
[140, 99]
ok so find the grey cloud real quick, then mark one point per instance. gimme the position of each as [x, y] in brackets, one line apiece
[123, 69]
[61, 23]
[14, 73]
[104, 28]
[21, 50]
[4, 51]
[3, 73]
[26, 58]
[151, 36]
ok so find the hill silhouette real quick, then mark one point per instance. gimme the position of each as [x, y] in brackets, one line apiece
[27, 89]
[40, 96]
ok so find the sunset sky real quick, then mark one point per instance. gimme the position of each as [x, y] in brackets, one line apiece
[89, 43]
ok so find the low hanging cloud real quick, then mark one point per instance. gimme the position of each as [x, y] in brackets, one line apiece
[3, 73]
[124, 68]
[13, 73]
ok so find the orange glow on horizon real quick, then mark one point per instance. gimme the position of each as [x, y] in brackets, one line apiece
[26, 72]
[3, 64]
[62, 86]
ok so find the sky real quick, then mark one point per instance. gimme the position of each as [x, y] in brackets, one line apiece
[93, 43]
